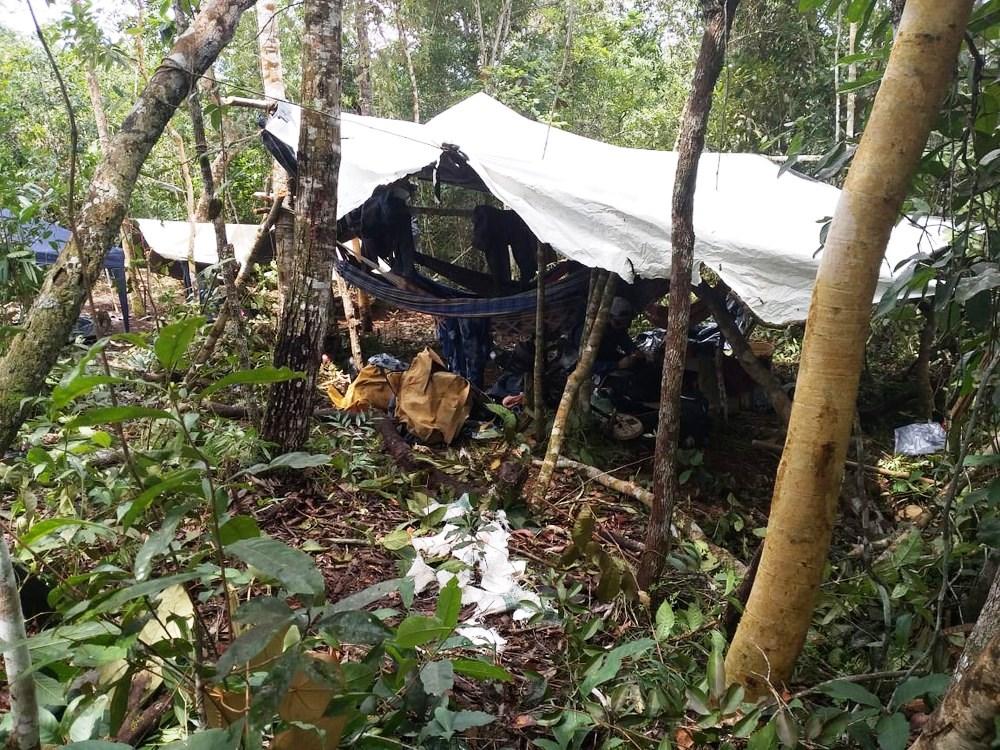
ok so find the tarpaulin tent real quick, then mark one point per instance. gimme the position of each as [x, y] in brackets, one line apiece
[172, 241]
[609, 207]
[48, 240]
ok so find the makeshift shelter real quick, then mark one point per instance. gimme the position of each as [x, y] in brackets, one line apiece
[48, 240]
[609, 207]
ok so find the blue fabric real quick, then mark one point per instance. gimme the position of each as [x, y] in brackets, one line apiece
[49, 241]
[465, 344]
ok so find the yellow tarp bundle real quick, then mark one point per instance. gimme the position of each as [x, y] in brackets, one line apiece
[432, 402]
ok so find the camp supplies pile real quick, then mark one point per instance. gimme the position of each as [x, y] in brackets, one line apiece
[430, 401]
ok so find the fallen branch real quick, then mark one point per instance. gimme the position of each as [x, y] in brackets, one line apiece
[402, 454]
[683, 525]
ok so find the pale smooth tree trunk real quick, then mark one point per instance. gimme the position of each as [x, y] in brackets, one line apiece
[779, 611]
[404, 43]
[690, 144]
[362, 14]
[273, 79]
[602, 294]
[56, 307]
[852, 76]
[306, 305]
[17, 660]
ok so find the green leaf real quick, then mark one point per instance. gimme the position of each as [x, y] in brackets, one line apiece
[259, 376]
[173, 341]
[297, 460]
[717, 667]
[416, 630]
[665, 620]
[293, 569]
[395, 540]
[156, 544]
[932, 685]
[807, 5]
[437, 677]
[607, 666]
[51, 525]
[115, 415]
[210, 739]
[252, 642]
[97, 745]
[184, 478]
[238, 527]
[145, 588]
[481, 670]
[449, 603]
[66, 392]
[583, 527]
[893, 732]
[788, 729]
[364, 597]
[851, 691]
[462, 720]
[356, 627]
[765, 738]
[697, 701]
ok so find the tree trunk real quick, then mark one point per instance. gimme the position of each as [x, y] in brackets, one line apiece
[273, 79]
[691, 142]
[744, 355]
[411, 71]
[966, 717]
[362, 14]
[17, 661]
[305, 309]
[538, 370]
[189, 205]
[852, 76]
[49, 321]
[987, 628]
[779, 611]
[603, 291]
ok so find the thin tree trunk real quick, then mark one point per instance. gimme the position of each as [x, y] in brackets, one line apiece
[34, 350]
[538, 370]
[922, 365]
[364, 301]
[189, 205]
[836, 78]
[691, 142]
[744, 355]
[852, 76]
[362, 14]
[17, 660]
[305, 310]
[405, 45]
[353, 327]
[273, 80]
[966, 718]
[605, 291]
[779, 611]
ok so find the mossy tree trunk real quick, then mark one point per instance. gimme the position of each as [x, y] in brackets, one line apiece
[306, 305]
[779, 611]
[49, 321]
[690, 144]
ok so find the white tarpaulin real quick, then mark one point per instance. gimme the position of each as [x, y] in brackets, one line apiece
[171, 240]
[609, 207]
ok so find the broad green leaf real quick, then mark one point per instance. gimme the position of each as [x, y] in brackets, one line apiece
[449, 603]
[932, 685]
[396, 540]
[156, 544]
[364, 597]
[211, 739]
[481, 670]
[173, 341]
[717, 667]
[437, 677]
[893, 732]
[251, 643]
[64, 393]
[851, 691]
[462, 720]
[259, 376]
[697, 701]
[765, 738]
[607, 666]
[665, 620]
[583, 527]
[293, 569]
[183, 479]
[97, 745]
[51, 525]
[354, 626]
[115, 415]
[145, 588]
[788, 729]
[416, 630]
[238, 527]
[297, 460]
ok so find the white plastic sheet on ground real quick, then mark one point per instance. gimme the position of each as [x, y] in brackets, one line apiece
[489, 579]
[171, 240]
[609, 207]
